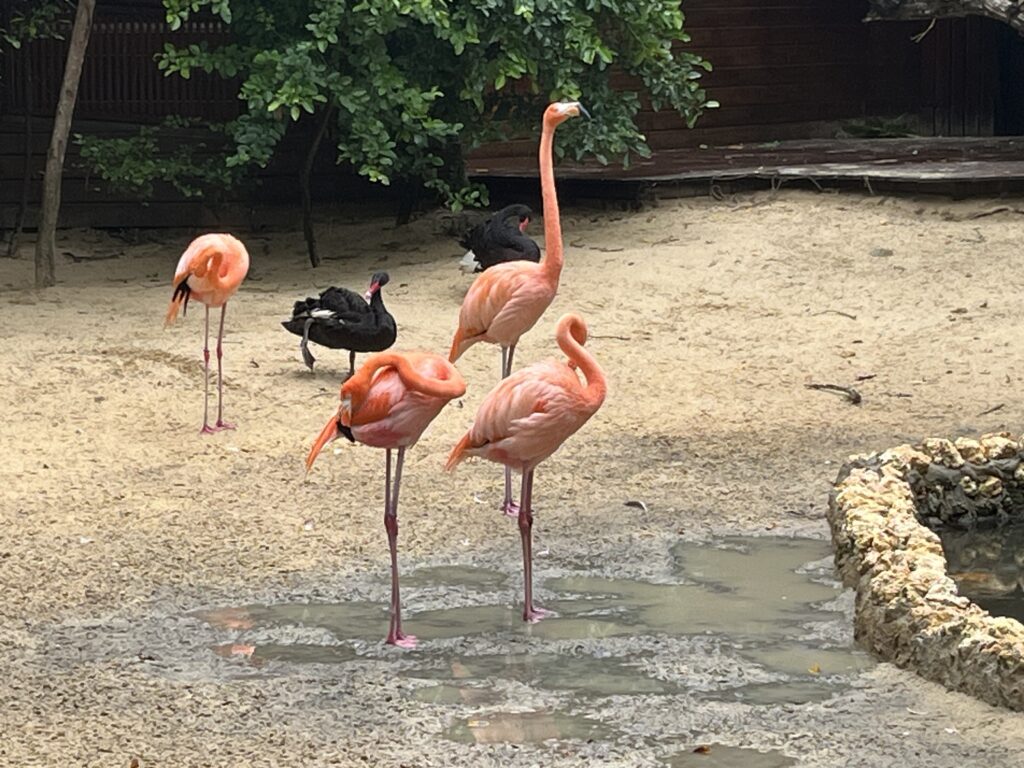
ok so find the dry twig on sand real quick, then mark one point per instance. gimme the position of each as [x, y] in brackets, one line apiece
[849, 393]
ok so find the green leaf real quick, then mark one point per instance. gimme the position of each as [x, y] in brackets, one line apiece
[414, 84]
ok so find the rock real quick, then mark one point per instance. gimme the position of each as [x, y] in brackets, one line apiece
[907, 608]
[943, 452]
[970, 450]
[993, 486]
[999, 446]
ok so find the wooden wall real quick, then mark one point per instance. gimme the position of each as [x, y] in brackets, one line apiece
[120, 80]
[781, 69]
[951, 79]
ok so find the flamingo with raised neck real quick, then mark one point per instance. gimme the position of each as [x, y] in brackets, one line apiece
[507, 300]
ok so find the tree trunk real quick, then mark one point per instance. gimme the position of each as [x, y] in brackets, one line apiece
[1008, 11]
[307, 197]
[26, 173]
[46, 244]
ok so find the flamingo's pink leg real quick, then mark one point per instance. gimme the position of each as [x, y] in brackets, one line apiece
[395, 634]
[531, 613]
[207, 429]
[221, 424]
[509, 507]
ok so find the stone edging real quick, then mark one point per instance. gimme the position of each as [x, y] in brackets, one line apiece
[908, 610]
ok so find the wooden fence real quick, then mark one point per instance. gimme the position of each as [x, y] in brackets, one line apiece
[783, 69]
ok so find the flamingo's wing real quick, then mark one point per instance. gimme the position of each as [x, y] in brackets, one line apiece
[206, 266]
[489, 296]
[530, 401]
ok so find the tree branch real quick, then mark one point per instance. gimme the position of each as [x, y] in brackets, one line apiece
[1008, 11]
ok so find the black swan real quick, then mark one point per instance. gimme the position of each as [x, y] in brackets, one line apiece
[342, 319]
[498, 239]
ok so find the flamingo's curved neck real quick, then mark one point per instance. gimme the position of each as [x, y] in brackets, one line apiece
[597, 387]
[360, 383]
[553, 258]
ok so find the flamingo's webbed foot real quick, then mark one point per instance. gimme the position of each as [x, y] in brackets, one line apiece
[402, 640]
[535, 613]
[307, 356]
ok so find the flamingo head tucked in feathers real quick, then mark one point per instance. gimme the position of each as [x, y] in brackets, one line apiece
[340, 424]
[331, 431]
[560, 111]
[379, 280]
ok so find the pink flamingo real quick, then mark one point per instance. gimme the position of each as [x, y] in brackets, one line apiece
[387, 404]
[508, 299]
[528, 416]
[210, 269]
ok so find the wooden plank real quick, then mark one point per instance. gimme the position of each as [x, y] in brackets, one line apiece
[975, 66]
[943, 77]
[820, 13]
[819, 36]
[904, 159]
[957, 78]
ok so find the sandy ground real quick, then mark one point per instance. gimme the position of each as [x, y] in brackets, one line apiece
[708, 317]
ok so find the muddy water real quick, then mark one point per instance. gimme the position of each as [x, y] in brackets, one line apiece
[719, 756]
[525, 728]
[748, 620]
[988, 567]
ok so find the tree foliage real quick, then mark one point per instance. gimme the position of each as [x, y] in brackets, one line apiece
[36, 20]
[177, 152]
[413, 84]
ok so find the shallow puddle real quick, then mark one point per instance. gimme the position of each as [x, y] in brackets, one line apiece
[348, 621]
[719, 756]
[786, 692]
[752, 589]
[988, 567]
[456, 694]
[758, 598]
[526, 728]
[585, 675]
[455, 575]
[803, 659]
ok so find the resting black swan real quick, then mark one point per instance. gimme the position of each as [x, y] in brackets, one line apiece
[342, 319]
[501, 238]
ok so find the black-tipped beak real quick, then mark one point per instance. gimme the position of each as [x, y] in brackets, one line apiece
[583, 111]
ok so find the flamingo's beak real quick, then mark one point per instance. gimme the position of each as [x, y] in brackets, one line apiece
[524, 224]
[583, 111]
[327, 434]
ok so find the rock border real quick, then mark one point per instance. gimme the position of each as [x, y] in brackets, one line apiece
[908, 609]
